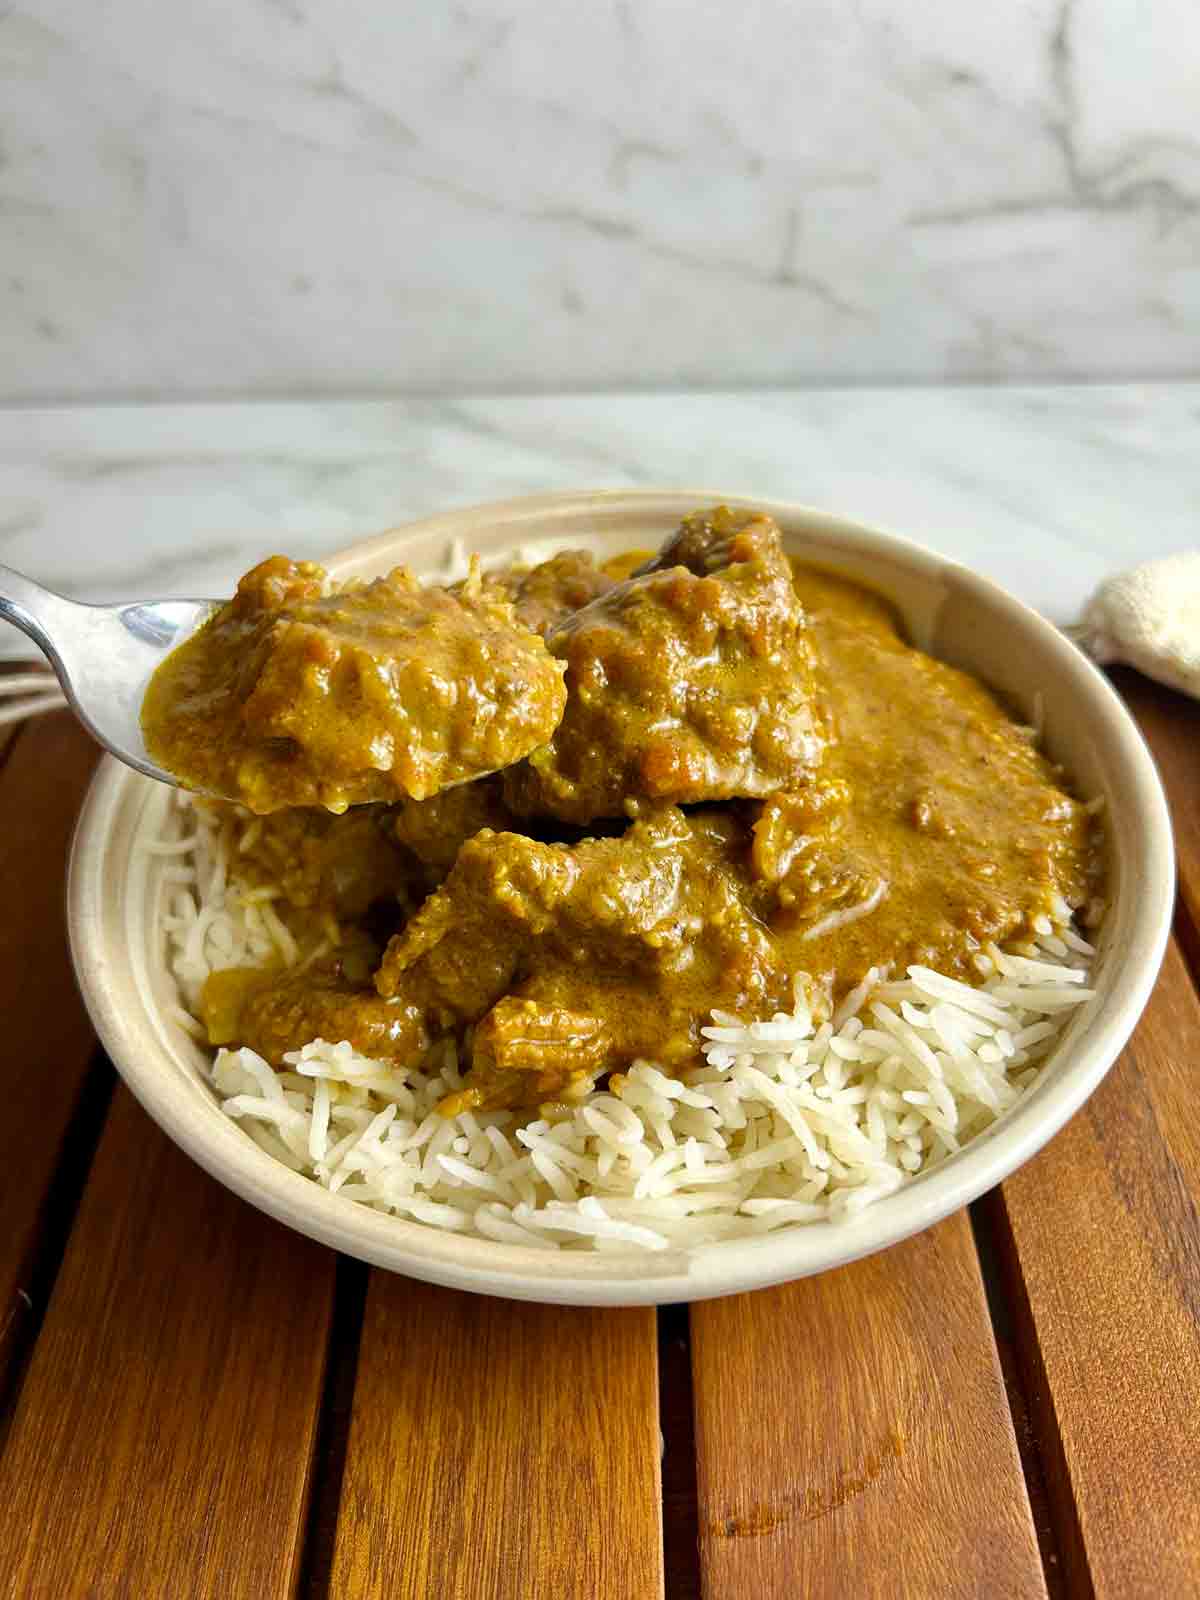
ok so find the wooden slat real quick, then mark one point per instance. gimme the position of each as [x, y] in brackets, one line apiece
[1170, 724]
[854, 1437]
[499, 1451]
[162, 1441]
[48, 1038]
[1105, 1249]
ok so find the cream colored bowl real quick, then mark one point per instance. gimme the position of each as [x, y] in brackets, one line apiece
[960, 617]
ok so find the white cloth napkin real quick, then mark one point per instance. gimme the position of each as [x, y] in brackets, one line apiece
[1149, 618]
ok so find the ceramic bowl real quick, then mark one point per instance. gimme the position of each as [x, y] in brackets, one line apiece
[949, 611]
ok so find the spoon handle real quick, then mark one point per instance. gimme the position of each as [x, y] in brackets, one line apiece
[38, 612]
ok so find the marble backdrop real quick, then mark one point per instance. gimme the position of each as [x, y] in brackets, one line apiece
[310, 196]
[1046, 489]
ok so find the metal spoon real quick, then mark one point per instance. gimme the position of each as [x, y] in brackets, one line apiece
[103, 656]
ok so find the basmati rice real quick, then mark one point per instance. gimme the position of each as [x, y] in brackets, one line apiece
[786, 1123]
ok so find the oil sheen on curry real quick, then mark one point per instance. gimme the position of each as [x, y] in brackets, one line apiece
[559, 813]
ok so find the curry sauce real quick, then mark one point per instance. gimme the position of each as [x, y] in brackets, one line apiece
[291, 695]
[754, 776]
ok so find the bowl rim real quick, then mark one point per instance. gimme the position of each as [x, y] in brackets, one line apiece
[678, 1274]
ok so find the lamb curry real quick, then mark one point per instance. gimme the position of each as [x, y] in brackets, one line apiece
[702, 773]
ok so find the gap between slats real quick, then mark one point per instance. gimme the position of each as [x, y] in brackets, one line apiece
[19, 1333]
[681, 1524]
[1056, 1516]
[1012, 1331]
[1187, 937]
[333, 1428]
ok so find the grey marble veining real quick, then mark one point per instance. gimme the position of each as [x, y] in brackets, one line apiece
[290, 196]
[1047, 490]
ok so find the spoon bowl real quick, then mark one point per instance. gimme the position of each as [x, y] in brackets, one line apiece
[104, 656]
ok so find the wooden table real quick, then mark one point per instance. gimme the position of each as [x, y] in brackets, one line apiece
[199, 1403]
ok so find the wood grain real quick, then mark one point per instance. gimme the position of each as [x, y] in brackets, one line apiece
[1170, 724]
[500, 1451]
[162, 1441]
[1104, 1237]
[854, 1438]
[48, 1040]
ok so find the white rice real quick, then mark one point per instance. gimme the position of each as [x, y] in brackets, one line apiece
[786, 1122]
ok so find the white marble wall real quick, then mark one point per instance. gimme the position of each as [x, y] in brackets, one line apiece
[309, 196]
[1047, 490]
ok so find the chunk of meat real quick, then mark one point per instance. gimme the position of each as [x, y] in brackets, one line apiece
[527, 1051]
[274, 1013]
[290, 696]
[789, 824]
[462, 950]
[436, 829]
[543, 596]
[694, 680]
[573, 960]
[321, 862]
